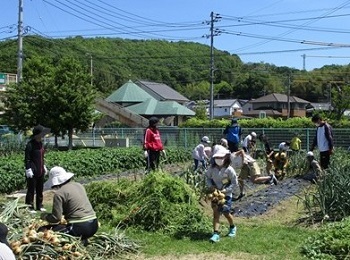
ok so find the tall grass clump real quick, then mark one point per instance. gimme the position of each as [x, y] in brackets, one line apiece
[330, 197]
[158, 203]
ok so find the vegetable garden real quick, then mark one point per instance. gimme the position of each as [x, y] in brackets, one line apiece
[161, 203]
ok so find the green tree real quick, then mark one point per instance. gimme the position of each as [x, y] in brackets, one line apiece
[340, 98]
[59, 96]
[74, 97]
[201, 111]
[26, 102]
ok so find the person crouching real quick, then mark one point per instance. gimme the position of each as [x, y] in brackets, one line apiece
[71, 202]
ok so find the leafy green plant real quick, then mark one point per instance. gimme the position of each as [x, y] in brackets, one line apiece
[330, 197]
[331, 242]
[84, 163]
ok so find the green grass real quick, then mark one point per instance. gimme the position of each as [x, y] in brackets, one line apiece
[254, 241]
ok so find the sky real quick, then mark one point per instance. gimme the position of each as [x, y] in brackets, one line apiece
[294, 33]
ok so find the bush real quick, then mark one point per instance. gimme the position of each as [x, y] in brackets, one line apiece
[294, 122]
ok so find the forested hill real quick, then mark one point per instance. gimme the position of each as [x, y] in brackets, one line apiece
[184, 66]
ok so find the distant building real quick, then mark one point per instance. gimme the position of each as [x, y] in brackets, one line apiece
[227, 108]
[148, 99]
[276, 105]
[6, 79]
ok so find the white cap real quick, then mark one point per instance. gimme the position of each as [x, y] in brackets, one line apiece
[205, 139]
[310, 154]
[253, 134]
[220, 151]
[223, 142]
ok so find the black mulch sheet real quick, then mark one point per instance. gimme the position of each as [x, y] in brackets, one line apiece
[260, 201]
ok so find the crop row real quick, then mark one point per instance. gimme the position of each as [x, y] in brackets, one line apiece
[83, 163]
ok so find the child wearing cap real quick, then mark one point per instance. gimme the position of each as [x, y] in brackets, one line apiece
[280, 164]
[249, 143]
[314, 169]
[221, 176]
[199, 155]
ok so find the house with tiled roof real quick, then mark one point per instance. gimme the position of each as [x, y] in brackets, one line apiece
[146, 104]
[161, 92]
[276, 105]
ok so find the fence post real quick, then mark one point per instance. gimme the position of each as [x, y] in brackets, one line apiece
[185, 137]
[307, 139]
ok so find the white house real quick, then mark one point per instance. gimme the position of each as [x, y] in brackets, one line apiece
[227, 107]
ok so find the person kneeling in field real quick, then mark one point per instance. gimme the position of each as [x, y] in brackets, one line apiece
[280, 163]
[249, 169]
[71, 202]
[314, 170]
[221, 178]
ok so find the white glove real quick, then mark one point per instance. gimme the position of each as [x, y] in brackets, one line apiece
[145, 154]
[164, 153]
[45, 170]
[29, 173]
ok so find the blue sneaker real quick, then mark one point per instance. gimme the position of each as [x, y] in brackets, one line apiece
[215, 238]
[232, 232]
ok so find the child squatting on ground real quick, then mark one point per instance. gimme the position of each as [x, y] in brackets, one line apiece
[221, 177]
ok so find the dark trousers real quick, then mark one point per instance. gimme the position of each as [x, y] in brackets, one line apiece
[84, 229]
[152, 160]
[196, 164]
[233, 147]
[35, 185]
[324, 159]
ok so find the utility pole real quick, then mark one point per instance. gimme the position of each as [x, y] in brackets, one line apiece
[288, 97]
[20, 42]
[91, 71]
[213, 32]
[304, 57]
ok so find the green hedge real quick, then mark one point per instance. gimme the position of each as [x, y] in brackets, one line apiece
[83, 163]
[294, 122]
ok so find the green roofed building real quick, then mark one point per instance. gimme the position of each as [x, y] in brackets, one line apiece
[158, 100]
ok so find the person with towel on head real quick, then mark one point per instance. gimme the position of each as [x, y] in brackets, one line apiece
[71, 202]
[5, 251]
[35, 168]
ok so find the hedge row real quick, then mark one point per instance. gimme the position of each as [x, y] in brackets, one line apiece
[294, 122]
[83, 163]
